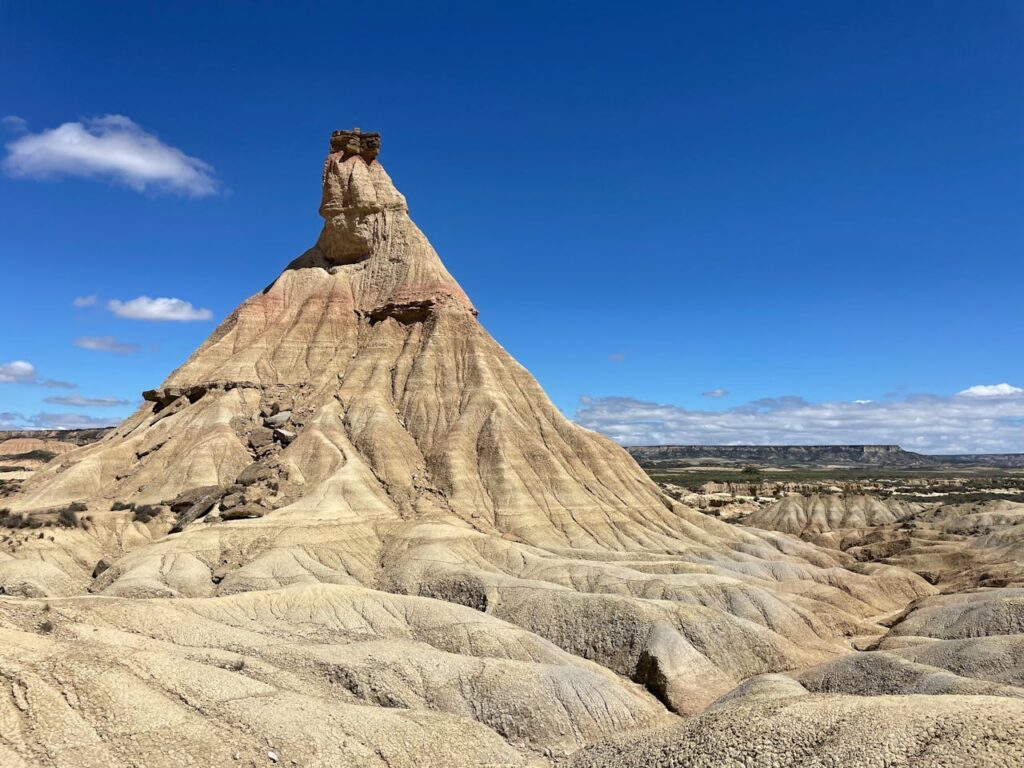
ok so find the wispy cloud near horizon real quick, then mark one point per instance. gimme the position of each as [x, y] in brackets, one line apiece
[77, 401]
[106, 344]
[112, 147]
[46, 420]
[23, 372]
[961, 423]
[716, 392]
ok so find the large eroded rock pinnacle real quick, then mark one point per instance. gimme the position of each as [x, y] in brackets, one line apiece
[390, 548]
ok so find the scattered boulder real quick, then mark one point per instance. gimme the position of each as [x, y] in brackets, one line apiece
[186, 499]
[243, 512]
[203, 499]
[232, 500]
[278, 419]
[261, 436]
[256, 472]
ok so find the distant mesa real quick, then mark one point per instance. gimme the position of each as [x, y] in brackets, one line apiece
[892, 456]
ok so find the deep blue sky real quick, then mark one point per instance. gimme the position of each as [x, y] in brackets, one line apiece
[821, 200]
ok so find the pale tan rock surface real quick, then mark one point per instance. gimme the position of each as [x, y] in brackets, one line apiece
[957, 547]
[780, 727]
[809, 515]
[351, 529]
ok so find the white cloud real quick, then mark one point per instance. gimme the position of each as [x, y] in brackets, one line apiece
[106, 344]
[87, 402]
[616, 357]
[18, 371]
[716, 392]
[145, 308]
[924, 423]
[991, 390]
[85, 301]
[54, 421]
[112, 146]
[14, 123]
[23, 372]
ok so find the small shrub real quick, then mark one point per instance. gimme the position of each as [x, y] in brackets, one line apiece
[119, 506]
[46, 627]
[9, 487]
[67, 518]
[10, 519]
[145, 512]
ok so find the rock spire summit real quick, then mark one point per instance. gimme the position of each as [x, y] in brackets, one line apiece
[355, 142]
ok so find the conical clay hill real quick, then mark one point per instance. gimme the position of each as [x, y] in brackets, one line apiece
[351, 530]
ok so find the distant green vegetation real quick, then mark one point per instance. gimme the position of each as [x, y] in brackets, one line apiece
[947, 481]
[37, 455]
[695, 478]
[66, 517]
[968, 497]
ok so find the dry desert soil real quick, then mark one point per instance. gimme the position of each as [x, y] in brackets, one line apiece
[351, 530]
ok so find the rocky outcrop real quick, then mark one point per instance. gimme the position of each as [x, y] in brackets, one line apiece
[355, 142]
[165, 396]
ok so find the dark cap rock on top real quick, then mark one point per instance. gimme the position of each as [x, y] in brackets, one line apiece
[355, 142]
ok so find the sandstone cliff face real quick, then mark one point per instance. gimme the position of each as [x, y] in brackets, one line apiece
[361, 498]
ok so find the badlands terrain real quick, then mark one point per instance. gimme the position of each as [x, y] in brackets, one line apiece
[351, 530]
